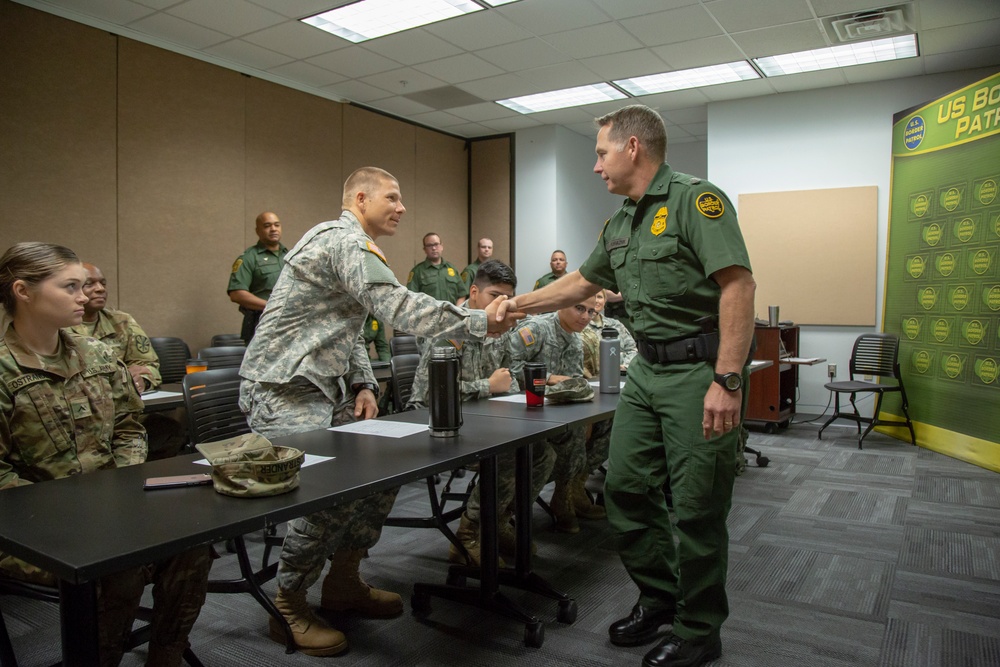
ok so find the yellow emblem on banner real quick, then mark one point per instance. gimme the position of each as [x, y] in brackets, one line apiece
[527, 336]
[710, 205]
[451, 271]
[659, 222]
[237, 264]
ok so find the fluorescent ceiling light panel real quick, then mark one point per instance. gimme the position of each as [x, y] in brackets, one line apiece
[688, 78]
[497, 3]
[879, 50]
[560, 99]
[368, 19]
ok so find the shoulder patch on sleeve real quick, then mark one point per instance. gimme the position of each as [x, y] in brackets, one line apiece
[409, 278]
[526, 336]
[237, 264]
[142, 344]
[457, 344]
[601, 234]
[710, 205]
[369, 246]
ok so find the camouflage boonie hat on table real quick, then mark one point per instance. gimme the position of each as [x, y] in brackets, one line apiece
[248, 465]
[570, 390]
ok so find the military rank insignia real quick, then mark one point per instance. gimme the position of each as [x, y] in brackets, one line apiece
[527, 336]
[710, 205]
[237, 264]
[659, 222]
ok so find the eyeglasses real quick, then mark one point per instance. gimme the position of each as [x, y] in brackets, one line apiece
[583, 310]
[432, 245]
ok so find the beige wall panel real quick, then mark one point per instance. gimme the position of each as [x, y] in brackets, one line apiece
[57, 134]
[372, 140]
[293, 159]
[491, 197]
[181, 191]
[443, 184]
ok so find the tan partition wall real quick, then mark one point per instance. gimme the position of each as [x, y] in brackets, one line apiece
[813, 253]
[442, 193]
[57, 135]
[491, 197]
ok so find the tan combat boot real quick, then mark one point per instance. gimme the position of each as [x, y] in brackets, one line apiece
[562, 508]
[582, 506]
[468, 535]
[312, 636]
[345, 590]
[507, 538]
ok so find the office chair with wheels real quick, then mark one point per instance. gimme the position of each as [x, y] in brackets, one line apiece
[403, 344]
[223, 357]
[227, 340]
[173, 354]
[875, 354]
[404, 369]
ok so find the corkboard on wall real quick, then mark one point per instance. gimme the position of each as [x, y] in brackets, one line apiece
[813, 253]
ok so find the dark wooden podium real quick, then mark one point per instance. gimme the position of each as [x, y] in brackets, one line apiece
[772, 389]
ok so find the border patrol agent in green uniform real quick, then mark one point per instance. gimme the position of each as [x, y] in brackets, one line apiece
[436, 276]
[256, 271]
[675, 252]
[374, 332]
[484, 251]
[557, 262]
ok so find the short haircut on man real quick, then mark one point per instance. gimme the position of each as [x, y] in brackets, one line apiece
[430, 234]
[560, 252]
[365, 179]
[494, 272]
[637, 121]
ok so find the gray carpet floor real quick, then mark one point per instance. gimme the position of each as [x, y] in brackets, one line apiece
[886, 557]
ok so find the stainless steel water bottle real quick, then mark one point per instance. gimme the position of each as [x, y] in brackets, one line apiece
[443, 376]
[611, 361]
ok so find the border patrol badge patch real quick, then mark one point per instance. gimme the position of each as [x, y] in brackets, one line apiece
[451, 272]
[527, 336]
[659, 222]
[409, 278]
[237, 264]
[374, 325]
[710, 205]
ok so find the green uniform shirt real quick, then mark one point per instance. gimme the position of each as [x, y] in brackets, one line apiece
[660, 251]
[546, 279]
[120, 331]
[257, 270]
[441, 281]
[374, 332]
[469, 274]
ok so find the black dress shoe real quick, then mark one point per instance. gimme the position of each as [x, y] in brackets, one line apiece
[676, 652]
[640, 626]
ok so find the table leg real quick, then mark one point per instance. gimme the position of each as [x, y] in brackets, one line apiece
[78, 620]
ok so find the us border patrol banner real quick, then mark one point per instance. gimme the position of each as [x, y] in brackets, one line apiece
[942, 287]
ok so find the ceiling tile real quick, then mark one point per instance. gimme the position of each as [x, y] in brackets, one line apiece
[942, 13]
[357, 91]
[737, 89]
[685, 116]
[594, 40]
[739, 15]
[298, 9]
[896, 69]
[306, 73]
[232, 17]
[479, 112]
[699, 53]
[403, 81]
[354, 62]
[956, 60]
[790, 38]
[178, 31]
[456, 69]
[960, 38]
[297, 40]
[520, 55]
[560, 116]
[676, 25]
[696, 129]
[400, 106]
[511, 124]
[543, 18]
[412, 46]
[479, 31]
[155, 4]
[501, 87]
[623, 9]
[678, 99]
[563, 75]
[115, 11]
[808, 80]
[437, 119]
[241, 52]
[625, 65]
[471, 130]
[839, 7]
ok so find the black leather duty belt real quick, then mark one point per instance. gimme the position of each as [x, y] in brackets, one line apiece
[703, 347]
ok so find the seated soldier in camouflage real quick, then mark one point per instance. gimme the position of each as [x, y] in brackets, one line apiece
[554, 339]
[68, 406]
[485, 372]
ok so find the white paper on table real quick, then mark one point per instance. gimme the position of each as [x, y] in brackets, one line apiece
[511, 398]
[160, 394]
[381, 427]
[597, 383]
[310, 459]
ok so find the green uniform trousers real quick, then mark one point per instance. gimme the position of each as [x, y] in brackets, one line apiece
[656, 437]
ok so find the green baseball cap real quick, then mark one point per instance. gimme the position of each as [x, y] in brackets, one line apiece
[248, 466]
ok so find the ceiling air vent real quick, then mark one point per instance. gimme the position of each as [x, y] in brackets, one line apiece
[868, 25]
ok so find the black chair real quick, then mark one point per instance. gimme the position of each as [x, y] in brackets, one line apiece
[876, 355]
[212, 401]
[223, 357]
[404, 368]
[403, 344]
[227, 340]
[173, 354]
[25, 589]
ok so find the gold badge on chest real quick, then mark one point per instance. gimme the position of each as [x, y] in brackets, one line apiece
[659, 222]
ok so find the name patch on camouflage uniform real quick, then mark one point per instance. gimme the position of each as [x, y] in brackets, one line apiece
[527, 336]
[25, 380]
[99, 369]
[237, 264]
[375, 250]
[611, 244]
[659, 222]
[710, 205]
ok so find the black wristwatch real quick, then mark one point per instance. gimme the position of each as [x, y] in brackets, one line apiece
[730, 381]
[365, 385]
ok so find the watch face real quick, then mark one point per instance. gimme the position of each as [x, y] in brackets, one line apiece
[733, 382]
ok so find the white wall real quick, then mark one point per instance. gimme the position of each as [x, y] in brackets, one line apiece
[690, 158]
[828, 138]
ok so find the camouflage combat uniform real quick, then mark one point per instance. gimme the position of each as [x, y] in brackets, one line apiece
[543, 339]
[600, 434]
[308, 352]
[478, 361]
[74, 413]
[120, 330]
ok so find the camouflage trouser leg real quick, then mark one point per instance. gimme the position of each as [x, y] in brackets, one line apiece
[296, 407]
[571, 453]
[180, 584]
[598, 444]
[118, 598]
[543, 457]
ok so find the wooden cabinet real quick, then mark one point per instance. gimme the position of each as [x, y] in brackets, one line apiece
[771, 401]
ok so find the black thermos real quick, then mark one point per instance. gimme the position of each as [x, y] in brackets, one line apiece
[444, 374]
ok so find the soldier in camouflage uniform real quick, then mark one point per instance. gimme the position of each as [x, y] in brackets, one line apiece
[554, 339]
[486, 372]
[68, 406]
[166, 435]
[307, 368]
